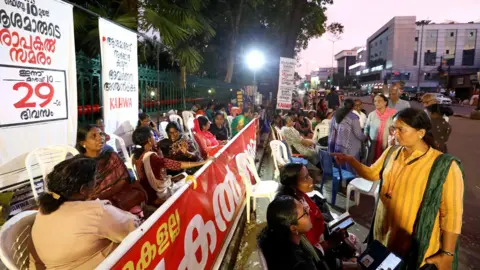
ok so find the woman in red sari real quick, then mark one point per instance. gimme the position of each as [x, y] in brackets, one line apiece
[209, 145]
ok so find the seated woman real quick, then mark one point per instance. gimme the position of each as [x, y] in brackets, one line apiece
[296, 182]
[302, 145]
[151, 167]
[209, 145]
[219, 127]
[241, 121]
[144, 120]
[178, 147]
[113, 178]
[71, 231]
[303, 126]
[283, 241]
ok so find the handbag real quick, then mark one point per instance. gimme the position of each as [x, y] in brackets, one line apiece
[130, 196]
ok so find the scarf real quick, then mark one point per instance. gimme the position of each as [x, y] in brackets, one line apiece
[207, 135]
[423, 227]
[389, 112]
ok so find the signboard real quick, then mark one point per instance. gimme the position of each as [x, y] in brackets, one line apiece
[37, 84]
[286, 83]
[119, 78]
[192, 229]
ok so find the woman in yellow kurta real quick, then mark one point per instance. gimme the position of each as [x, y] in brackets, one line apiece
[405, 178]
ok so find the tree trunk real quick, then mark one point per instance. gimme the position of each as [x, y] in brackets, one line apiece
[183, 77]
[293, 26]
[233, 41]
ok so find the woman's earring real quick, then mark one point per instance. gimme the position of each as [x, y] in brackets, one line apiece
[84, 146]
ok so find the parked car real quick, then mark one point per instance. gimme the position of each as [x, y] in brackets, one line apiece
[442, 99]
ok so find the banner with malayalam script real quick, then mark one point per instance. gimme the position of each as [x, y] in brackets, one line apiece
[194, 230]
[119, 78]
[37, 81]
[286, 83]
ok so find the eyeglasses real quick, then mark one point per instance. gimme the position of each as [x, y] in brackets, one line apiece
[305, 213]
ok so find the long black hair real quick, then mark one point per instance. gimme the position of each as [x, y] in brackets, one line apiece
[66, 180]
[142, 117]
[341, 113]
[439, 109]
[275, 239]
[140, 138]
[202, 121]
[288, 179]
[418, 119]
[82, 133]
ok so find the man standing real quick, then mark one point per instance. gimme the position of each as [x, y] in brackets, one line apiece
[395, 101]
[333, 99]
[357, 109]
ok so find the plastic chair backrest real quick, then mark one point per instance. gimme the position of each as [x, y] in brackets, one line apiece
[321, 130]
[279, 152]
[14, 240]
[134, 168]
[327, 163]
[47, 158]
[279, 133]
[163, 126]
[116, 140]
[187, 115]
[245, 164]
[178, 119]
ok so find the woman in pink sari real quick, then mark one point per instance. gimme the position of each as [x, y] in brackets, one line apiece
[377, 127]
[209, 145]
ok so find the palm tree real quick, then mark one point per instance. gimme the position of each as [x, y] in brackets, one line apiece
[182, 29]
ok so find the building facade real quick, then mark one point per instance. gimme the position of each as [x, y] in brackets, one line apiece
[424, 56]
[345, 59]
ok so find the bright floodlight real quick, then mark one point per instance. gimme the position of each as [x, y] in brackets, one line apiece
[255, 60]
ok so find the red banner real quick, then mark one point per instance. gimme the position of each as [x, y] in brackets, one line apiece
[190, 230]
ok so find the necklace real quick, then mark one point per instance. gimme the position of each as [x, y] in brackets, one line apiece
[391, 186]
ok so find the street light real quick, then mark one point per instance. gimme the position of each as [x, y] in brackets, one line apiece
[255, 60]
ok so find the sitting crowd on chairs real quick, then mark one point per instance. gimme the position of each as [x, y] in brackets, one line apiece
[98, 193]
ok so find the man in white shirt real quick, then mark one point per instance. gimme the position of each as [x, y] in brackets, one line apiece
[357, 109]
[395, 101]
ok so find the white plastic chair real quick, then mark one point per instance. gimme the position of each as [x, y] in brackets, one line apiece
[279, 155]
[134, 168]
[189, 126]
[163, 127]
[321, 130]
[114, 139]
[261, 189]
[178, 120]
[187, 115]
[14, 240]
[279, 133]
[47, 158]
[361, 186]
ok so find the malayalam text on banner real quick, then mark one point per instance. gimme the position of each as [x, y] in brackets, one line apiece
[286, 83]
[119, 77]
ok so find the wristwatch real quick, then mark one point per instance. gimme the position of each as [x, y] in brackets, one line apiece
[447, 253]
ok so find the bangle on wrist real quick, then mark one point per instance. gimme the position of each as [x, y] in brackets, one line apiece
[447, 253]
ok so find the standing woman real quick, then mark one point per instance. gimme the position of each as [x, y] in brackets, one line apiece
[346, 135]
[441, 129]
[420, 206]
[376, 127]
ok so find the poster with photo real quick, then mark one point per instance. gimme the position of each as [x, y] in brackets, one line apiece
[286, 83]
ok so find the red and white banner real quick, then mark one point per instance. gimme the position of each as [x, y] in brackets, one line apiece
[193, 228]
[119, 79]
[38, 83]
[286, 83]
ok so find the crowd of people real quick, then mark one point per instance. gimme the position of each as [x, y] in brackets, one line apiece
[418, 215]
[94, 200]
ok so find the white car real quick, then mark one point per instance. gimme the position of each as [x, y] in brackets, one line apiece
[442, 99]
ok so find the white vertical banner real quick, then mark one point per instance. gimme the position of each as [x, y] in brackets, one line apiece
[38, 85]
[119, 79]
[286, 83]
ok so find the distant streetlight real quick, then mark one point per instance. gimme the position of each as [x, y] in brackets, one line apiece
[152, 93]
[209, 91]
[255, 61]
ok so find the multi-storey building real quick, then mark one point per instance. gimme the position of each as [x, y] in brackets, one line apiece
[425, 56]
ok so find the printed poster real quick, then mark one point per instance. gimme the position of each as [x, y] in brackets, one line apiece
[286, 83]
[38, 104]
[119, 78]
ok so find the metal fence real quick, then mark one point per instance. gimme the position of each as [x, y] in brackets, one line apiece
[159, 91]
